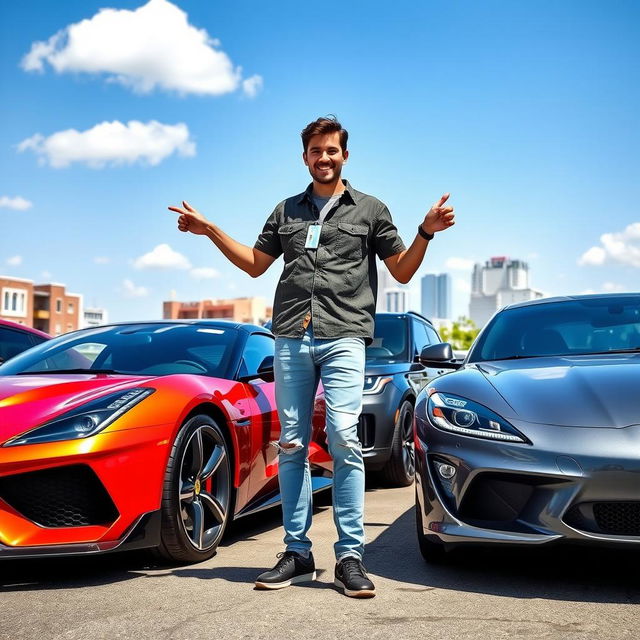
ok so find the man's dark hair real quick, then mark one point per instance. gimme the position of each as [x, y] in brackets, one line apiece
[322, 126]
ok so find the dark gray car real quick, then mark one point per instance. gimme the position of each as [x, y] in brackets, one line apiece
[394, 377]
[535, 438]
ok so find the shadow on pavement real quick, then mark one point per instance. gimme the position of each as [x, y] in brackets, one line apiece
[562, 572]
[87, 571]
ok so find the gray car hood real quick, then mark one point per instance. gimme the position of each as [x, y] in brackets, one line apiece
[581, 391]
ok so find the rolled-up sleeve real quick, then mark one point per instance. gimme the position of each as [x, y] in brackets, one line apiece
[269, 240]
[387, 242]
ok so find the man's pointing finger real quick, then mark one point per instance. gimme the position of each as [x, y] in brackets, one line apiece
[442, 200]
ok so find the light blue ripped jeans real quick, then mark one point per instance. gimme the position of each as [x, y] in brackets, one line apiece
[299, 365]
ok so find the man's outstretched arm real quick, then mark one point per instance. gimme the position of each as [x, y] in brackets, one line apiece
[403, 265]
[251, 260]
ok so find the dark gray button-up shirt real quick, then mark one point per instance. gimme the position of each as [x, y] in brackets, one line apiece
[336, 284]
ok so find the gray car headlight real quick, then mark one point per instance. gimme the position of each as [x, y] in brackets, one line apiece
[84, 421]
[375, 384]
[459, 415]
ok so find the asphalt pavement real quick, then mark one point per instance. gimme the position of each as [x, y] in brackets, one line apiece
[577, 593]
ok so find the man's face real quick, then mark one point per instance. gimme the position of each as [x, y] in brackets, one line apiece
[324, 157]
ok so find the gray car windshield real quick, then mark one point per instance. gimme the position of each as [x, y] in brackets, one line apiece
[139, 349]
[389, 340]
[564, 328]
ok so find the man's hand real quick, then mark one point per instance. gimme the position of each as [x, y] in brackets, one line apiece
[438, 217]
[190, 219]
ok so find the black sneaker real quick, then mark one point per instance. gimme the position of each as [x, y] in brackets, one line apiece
[290, 568]
[352, 578]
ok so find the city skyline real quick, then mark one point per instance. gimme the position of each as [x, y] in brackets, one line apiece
[515, 120]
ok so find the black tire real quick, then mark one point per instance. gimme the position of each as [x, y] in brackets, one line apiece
[400, 470]
[197, 492]
[432, 552]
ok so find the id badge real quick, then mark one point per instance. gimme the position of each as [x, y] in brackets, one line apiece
[313, 236]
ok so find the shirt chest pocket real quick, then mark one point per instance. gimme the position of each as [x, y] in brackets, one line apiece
[352, 241]
[292, 237]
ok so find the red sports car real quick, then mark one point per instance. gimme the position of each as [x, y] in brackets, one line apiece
[140, 435]
[16, 338]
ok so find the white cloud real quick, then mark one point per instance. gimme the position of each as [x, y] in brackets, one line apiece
[613, 287]
[14, 261]
[111, 144]
[130, 290]
[459, 264]
[17, 204]
[252, 86]
[150, 47]
[463, 285]
[204, 273]
[102, 260]
[46, 275]
[162, 257]
[622, 247]
[594, 257]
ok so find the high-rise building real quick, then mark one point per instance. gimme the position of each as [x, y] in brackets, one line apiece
[501, 281]
[392, 295]
[436, 295]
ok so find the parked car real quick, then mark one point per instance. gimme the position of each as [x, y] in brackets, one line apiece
[393, 379]
[16, 338]
[534, 439]
[151, 434]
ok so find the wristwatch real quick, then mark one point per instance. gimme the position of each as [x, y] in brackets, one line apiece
[424, 234]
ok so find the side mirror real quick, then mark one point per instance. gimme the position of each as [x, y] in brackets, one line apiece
[265, 372]
[439, 356]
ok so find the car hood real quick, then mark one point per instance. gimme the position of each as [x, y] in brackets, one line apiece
[28, 401]
[584, 391]
[377, 368]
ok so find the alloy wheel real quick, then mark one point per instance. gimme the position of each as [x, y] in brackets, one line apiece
[204, 487]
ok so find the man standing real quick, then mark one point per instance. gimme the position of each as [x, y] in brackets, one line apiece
[323, 315]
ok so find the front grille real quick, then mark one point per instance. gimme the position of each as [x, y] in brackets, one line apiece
[62, 497]
[618, 518]
[611, 518]
[367, 430]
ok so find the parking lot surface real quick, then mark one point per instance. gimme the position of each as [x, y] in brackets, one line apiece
[549, 593]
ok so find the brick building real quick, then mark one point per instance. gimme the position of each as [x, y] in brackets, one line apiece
[253, 310]
[47, 307]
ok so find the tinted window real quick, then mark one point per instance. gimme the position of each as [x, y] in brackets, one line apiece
[141, 349]
[421, 337]
[13, 342]
[433, 336]
[390, 342]
[257, 348]
[574, 327]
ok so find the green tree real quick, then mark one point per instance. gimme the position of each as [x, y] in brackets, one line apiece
[461, 334]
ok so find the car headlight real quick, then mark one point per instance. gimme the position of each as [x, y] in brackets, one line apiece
[468, 418]
[375, 384]
[84, 421]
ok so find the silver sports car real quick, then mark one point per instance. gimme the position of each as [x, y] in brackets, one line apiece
[535, 438]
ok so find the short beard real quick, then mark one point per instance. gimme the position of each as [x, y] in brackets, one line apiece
[322, 180]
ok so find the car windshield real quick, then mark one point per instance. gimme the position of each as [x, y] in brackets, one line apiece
[157, 349]
[571, 327]
[389, 340]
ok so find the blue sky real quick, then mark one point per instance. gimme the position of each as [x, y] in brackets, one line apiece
[527, 112]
